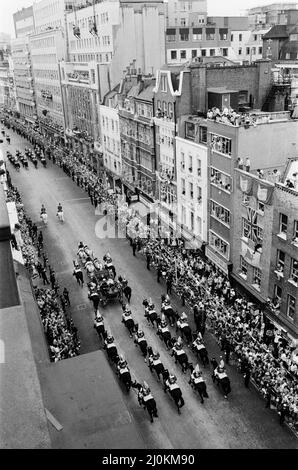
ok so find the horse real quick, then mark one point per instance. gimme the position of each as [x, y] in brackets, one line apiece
[175, 393]
[169, 312]
[199, 348]
[149, 404]
[129, 324]
[165, 335]
[185, 329]
[44, 218]
[60, 216]
[125, 377]
[142, 343]
[223, 381]
[199, 385]
[157, 366]
[150, 314]
[90, 269]
[112, 352]
[181, 357]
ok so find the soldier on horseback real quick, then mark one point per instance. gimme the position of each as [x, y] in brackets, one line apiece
[111, 348]
[156, 364]
[128, 320]
[141, 342]
[146, 399]
[164, 332]
[198, 383]
[183, 326]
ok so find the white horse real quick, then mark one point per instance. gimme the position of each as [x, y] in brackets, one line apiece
[60, 216]
[44, 218]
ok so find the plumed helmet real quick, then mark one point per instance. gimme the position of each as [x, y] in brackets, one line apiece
[172, 378]
[110, 338]
[221, 363]
[183, 316]
[156, 355]
[146, 389]
[140, 334]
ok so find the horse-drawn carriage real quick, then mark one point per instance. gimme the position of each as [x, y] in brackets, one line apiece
[109, 290]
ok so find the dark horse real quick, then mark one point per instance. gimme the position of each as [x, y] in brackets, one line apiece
[176, 395]
[170, 313]
[224, 383]
[125, 377]
[150, 315]
[182, 359]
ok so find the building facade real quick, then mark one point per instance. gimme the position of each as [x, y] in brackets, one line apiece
[283, 288]
[47, 49]
[137, 137]
[4, 73]
[186, 13]
[192, 189]
[184, 44]
[23, 78]
[110, 137]
[24, 22]
[171, 100]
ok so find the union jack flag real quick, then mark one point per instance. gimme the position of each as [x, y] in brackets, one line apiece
[251, 230]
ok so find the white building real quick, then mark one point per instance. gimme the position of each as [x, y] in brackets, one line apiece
[110, 135]
[192, 196]
[51, 13]
[186, 13]
[247, 45]
[47, 49]
[23, 79]
[94, 27]
[139, 38]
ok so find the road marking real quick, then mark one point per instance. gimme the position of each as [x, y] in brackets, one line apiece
[53, 420]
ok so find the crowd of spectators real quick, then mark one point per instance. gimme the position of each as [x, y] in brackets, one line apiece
[239, 326]
[61, 334]
[230, 116]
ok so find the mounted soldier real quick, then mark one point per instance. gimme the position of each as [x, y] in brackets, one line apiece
[141, 342]
[198, 383]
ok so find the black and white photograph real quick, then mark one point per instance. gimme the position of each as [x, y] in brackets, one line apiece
[148, 229]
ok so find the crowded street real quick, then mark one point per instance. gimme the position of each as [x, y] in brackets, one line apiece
[240, 421]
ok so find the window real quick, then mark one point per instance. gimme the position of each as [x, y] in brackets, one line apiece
[261, 207]
[171, 37]
[248, 50]
[197, 37]
[232, 37]
[173, 55]
[219, 244]
[194, 53]
[192, 221]
[283, 224]
[184, 36]
[223, 34]
[191, 190]
[291, 306]
[253, 51]
[243, 267]
[294, 270]
[240, 51]
[225, 52]
[257, 276]
[203, 134]
[182, 161]
[199, 194]
[280, 261]
[189, 130]
[183, 186]
[190, 163]
[199, 169]
[295, 234]
[221, 144]
[183, 22]
[199, 224]
[260, 50]
[221, 180]
[163, 83]
[183, 210]
[277, 292]
[212, 52]
[93, 75]
[243, 97]
[240, 37]
[203, 52]
[255, 37]
[183, 54]
[219, 212]
[210, 34]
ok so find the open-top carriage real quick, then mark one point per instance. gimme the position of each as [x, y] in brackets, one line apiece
[109, 290]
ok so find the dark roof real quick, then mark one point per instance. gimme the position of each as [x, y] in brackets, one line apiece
[147, 93]
[277, 31]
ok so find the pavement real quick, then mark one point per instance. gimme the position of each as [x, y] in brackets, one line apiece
[240, 422]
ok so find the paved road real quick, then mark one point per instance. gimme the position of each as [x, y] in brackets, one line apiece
[240, 422]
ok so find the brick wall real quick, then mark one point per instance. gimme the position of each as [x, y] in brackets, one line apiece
[255, 79]
[285, 202]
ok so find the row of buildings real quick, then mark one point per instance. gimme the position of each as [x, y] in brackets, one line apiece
[95, 77]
